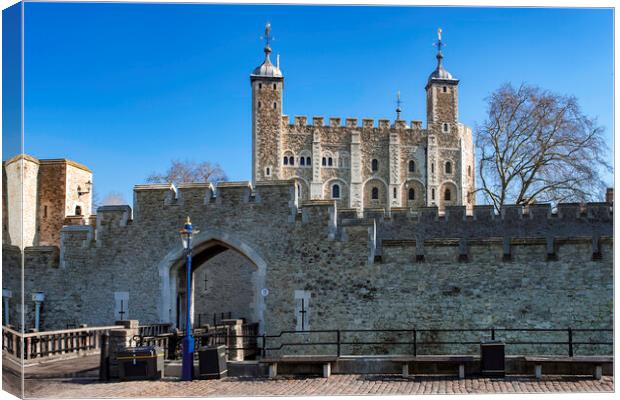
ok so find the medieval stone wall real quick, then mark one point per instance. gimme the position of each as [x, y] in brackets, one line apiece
[534, 269]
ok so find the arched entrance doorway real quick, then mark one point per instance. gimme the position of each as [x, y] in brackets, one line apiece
[237, 276]
[222, 287]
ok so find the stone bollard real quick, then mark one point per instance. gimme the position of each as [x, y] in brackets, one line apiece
[234, 339]
[120, 338]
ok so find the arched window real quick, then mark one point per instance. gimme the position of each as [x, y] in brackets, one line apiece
[302, 161]
[448, 167]
[308, 161]
[274, 86]
[432, 194]
[291, 160]
[445, 89]
[78, 210]
[375, 165]
[260, 104]
[267, 171]
[446, 128]
[469, 170]
[275, 105]
[330, 161]
[447, 195]
[336, 191]
[285, 160]
[411, 166]
[324, 161]
[411, 194]
[260, 85]
[394, 195]
[375, 193]
[432, 168]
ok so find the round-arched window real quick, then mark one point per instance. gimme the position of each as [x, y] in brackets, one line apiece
[448, 167]
[411, 194]
[375, 193]
[375, 165]
[411, 166]
[447, 196]
[336, 191]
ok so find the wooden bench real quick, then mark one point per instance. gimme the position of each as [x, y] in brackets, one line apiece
[596, 361]
[326, 361]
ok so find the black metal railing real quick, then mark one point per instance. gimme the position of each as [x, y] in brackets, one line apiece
[412, 341]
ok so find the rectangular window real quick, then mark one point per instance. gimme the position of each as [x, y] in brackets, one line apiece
[121, 306]
[302, 310]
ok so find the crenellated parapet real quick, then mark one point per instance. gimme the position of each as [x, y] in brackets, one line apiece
[301, 122]
[276, 206]
[497, 250]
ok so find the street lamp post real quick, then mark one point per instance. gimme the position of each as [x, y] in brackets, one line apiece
[187, 372]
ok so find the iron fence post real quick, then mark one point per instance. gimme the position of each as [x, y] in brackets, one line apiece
[263, 349]
[338, 341]
[570, 342]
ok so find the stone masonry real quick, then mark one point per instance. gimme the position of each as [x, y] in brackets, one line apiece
[383, 165]
[396, 269]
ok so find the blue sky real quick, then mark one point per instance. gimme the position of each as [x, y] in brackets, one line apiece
[125, 88]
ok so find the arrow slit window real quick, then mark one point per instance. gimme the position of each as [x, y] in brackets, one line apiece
[302, 310]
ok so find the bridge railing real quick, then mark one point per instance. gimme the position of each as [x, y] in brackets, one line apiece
[52, 344]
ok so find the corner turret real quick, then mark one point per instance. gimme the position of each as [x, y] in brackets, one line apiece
[267, 91]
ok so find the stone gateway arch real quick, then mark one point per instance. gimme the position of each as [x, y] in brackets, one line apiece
[207, 244]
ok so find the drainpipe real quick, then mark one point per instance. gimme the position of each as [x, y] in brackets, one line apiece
[38, 298]
[6, 295]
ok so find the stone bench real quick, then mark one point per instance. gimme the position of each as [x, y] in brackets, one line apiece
[326, 361]
[596, 361]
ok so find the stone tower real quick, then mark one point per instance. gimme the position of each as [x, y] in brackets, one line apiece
[368, 166]
[267, 89]
[41, 196]
[450, 160]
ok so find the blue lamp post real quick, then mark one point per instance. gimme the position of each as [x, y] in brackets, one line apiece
[187, 373]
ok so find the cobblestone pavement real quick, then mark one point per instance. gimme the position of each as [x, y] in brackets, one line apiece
[297, 386]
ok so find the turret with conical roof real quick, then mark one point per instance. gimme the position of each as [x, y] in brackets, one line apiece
[267, 91]
[441, 93]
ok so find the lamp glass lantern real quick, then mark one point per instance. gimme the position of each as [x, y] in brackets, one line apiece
[187, 233]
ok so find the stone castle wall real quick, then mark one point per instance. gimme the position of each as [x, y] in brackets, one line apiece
[538, 269]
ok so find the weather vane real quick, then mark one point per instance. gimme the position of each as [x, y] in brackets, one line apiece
[267, 38]
[398, 103]
[439, 43]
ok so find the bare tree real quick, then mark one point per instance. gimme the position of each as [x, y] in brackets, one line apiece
[538, 146]
[189, 171]
[113, 199]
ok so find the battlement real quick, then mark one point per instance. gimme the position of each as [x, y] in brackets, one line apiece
[494, 250]
[301, 121]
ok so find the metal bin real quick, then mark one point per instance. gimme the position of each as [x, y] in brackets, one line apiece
[492, 358]
[140, 363]
[212, 362]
